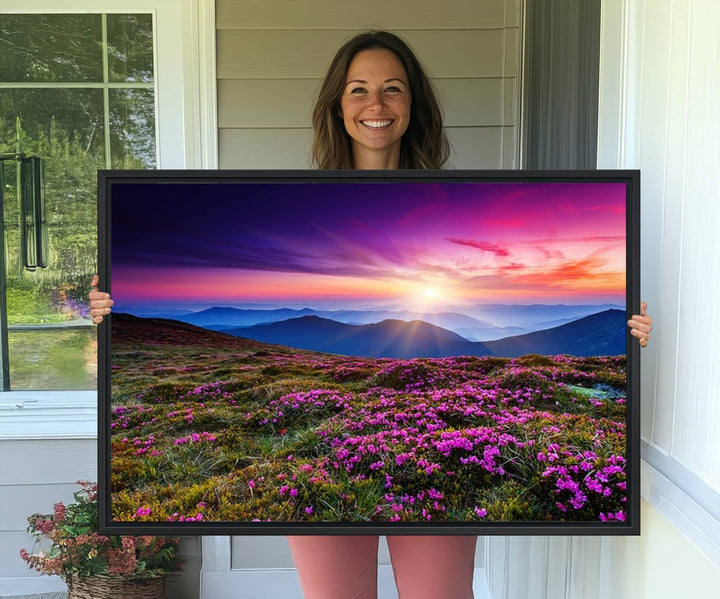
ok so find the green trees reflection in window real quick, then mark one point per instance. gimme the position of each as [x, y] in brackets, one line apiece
[82, 87]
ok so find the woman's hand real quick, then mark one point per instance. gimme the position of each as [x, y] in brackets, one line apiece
[641, 325]
[100, 302]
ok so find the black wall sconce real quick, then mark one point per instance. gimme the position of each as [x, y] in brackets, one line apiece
[33, 236]
[34, 245]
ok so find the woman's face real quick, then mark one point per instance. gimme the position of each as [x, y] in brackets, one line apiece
[375, 104]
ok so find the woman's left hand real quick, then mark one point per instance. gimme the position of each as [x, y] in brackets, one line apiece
[641, 325]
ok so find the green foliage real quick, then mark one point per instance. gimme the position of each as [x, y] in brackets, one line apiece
[29, 304]
[401, 374]
[535, 360]
[53, 359]
[77, 550]
[506, 502]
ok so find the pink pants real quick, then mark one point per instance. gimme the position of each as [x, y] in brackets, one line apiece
[345, 567]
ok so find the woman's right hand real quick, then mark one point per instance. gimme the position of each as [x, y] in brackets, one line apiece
[100, 302]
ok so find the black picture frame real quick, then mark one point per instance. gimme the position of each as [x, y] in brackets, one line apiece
[167, 185]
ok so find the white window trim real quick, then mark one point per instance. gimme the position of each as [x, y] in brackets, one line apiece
[680, 495]
[674, 490]
[186, 126]
[48, 415]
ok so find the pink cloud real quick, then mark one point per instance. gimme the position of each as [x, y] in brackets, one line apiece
[485, 246]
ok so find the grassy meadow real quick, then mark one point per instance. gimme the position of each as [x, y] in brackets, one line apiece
[210, 427]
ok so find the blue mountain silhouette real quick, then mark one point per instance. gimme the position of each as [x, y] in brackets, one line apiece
[603, 333]
[386, 339]
[480, 323]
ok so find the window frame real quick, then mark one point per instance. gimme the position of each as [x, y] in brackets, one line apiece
[186, 137]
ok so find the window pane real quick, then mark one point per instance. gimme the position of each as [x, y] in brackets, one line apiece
[65, 128]
[50, 118]
[54, 359]
[132, 128]
[130, 47]
[50, 48]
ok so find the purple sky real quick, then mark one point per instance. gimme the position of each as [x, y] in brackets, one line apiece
[436, 242]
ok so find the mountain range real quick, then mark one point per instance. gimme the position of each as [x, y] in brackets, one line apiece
[603, 333]
[483, 323]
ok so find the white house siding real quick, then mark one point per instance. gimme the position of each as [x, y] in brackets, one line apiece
[34, 475]
[271, 57]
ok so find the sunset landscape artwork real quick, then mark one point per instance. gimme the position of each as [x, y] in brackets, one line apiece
[394, 353]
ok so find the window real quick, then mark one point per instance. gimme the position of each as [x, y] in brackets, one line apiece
[185, 116]
[78, 91]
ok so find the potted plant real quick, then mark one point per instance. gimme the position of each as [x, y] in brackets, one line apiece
[95, 566]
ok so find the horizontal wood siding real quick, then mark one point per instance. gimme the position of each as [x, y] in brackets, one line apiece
[475, 147]
[48, 462]
[34, 476]
[271, 58]
[306, 54]
[264, 148]
[19, 501]
[395, 15]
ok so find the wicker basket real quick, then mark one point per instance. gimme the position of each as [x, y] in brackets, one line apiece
[116, 587]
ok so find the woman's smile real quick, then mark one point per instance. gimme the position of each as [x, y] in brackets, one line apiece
[376, 124]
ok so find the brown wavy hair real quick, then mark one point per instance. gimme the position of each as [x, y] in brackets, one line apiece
[423, 146]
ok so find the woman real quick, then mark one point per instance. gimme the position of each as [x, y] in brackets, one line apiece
[376, 109]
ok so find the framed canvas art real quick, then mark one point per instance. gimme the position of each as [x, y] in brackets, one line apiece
[385, 352]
